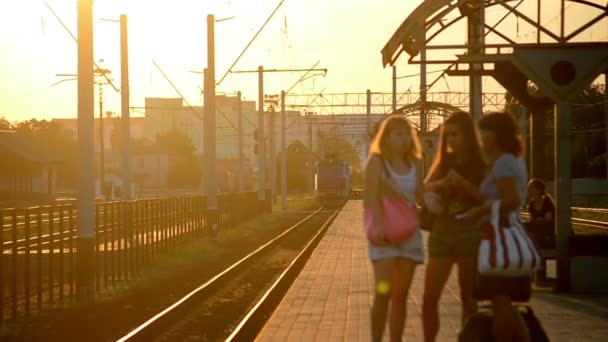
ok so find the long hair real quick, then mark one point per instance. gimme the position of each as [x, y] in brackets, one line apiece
[471, 150]
[379, 145]
[505, 129]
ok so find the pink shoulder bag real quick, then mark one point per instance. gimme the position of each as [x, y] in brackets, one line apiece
[399, 215]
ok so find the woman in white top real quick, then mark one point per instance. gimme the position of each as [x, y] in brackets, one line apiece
[394, 161]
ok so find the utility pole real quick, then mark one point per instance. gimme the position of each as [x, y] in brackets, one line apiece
[272, 102]
[368, 116]
[476, 38]
[283, 153]
[124, 109]
[262, 147]
[85, 243]
[209, 127]
[103, 73]
[101, 144]
[394, 88]
[241, 155]
[311, 171]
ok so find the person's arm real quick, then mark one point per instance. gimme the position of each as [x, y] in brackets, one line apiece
[462, 183]
[373, 175]
[434, 183]
[509, 200]
[509, 196]
[419, 186]
[505, 170]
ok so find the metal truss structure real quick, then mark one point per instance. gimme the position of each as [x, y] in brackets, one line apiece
[381, 103]
[498, 48]
[424, 27]
[556, 53]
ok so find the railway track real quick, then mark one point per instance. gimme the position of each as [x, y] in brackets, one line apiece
[234, 300]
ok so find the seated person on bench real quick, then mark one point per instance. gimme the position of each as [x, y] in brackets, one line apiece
[542, 215]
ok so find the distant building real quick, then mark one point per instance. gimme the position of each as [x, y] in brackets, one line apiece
[109, 126]
[27, 171]
[150, 167]
[165, 115]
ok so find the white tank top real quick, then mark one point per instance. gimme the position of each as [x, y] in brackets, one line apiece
[405, 183]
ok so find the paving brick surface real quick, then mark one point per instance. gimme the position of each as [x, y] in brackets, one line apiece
[331, 299]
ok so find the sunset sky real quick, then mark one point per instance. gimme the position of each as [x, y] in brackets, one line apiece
[346, 36]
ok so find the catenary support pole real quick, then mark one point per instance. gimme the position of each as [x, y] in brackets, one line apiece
[283, 153]
[210, 129]
[86, 164]
[563, 187]
[127, 188]
[261, 137]
[241, 151]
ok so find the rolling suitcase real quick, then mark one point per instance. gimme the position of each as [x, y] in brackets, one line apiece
[478, 327]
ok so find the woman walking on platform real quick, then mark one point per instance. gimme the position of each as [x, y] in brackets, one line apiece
[393, 164]
[506, 182]
[451, 189]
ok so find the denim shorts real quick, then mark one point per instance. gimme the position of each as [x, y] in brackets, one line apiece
[412, 249]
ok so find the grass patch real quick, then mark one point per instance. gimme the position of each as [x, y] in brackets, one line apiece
[247, 236]
[203, 254]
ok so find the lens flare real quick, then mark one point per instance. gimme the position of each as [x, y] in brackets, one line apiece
[383, 287]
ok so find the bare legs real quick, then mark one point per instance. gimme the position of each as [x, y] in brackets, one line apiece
[393, 280]
[437, 273]
[466, 281]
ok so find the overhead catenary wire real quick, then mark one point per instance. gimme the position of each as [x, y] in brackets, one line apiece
[177, 90]
[303, 77]
[76, 40]
[250, 42]
[308, 106]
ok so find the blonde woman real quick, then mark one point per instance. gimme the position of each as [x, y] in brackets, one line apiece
[394, 162]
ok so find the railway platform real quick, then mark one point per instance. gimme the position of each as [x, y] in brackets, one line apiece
[331, 298]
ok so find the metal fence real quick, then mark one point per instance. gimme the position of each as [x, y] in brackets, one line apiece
[38, 244]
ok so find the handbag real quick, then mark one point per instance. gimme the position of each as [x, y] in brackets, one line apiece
[399, 215]
[506, 251]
